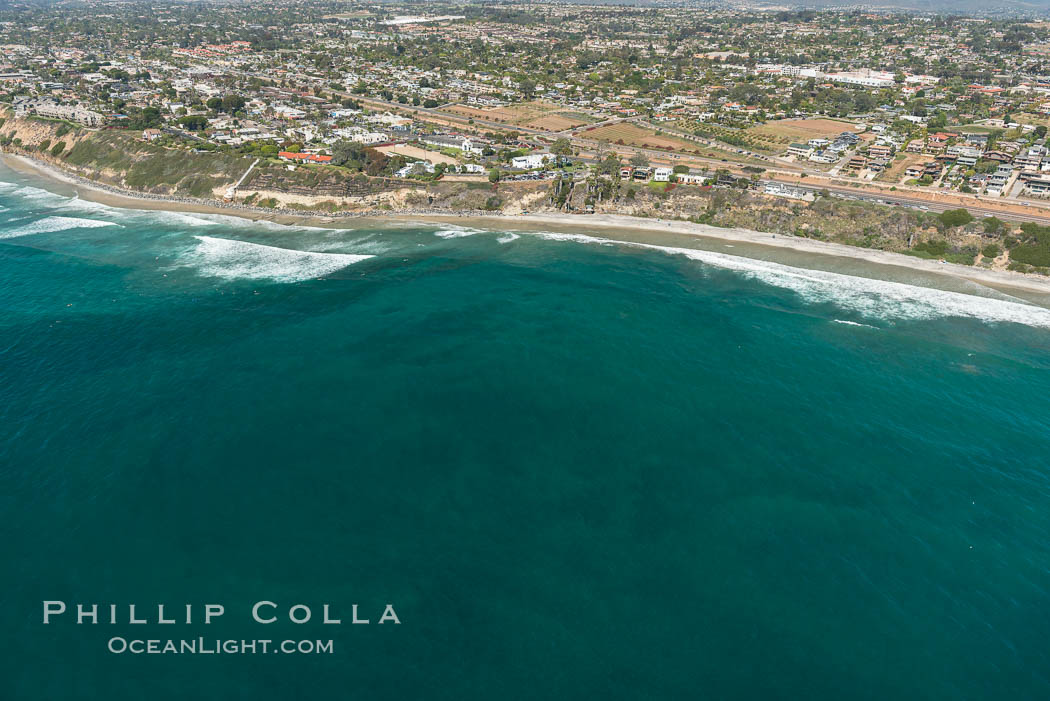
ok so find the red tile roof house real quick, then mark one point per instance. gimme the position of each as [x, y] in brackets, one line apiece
[289, 156]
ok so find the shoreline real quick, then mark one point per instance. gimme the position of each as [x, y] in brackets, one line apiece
[114, 197]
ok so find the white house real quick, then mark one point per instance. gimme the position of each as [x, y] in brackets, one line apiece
[692, 178]
[531, 161]
[662, 174]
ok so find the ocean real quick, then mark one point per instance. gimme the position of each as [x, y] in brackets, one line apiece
[575, 467]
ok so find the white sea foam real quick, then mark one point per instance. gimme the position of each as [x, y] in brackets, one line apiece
[854, 323]
[89, 206]
[49, 225]
[180, 218]
[235, 221]
[871, 298]
[230, 259]
[369, 243]
[507, 238]
[28, 192]
[457, 232]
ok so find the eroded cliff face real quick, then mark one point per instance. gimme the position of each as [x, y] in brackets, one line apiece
[32, 134]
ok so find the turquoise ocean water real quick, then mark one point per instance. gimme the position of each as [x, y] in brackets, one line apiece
[576, 468]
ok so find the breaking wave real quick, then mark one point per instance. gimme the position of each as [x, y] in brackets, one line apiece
[847, 322]
[507, 238]
[27, 192]
[871, 298]
[230, 259]
[457, 232]
[49, 225]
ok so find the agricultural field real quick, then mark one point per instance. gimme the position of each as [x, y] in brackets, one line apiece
[560, 121]
[734, 137]
[787, 131]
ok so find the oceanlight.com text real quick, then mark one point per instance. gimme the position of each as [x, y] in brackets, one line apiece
[214, 646]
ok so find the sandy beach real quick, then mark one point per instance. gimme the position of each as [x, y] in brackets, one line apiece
[615, 226]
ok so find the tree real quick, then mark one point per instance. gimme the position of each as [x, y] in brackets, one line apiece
[494, 175]
[992, 225]
[194, 122]
[938, 121]
[232, 103]
[955, 217]
[347, 153]
[610, 165]
[528, 88]
[214, 103]
[562, 147]
[640, 160]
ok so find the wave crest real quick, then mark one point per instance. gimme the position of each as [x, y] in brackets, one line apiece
[230, 259]
[49, 225]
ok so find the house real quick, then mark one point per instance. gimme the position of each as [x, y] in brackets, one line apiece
[53, 110]
[918, 170]
[1030, 159]
[151, 134]
[858, 162]
[692, 178]
[641, 173]
[626, 172]
[789, 191]
[370, 138]
[880, 151]
[303, 157]
[285, 112]
[1039, 186]
[531, 161]
[448, 141]
[800, 150]
[998, 156]
[662, 175]
[914, 146]
[997, 181]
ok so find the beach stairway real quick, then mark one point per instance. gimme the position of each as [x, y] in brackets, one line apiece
[232, 189]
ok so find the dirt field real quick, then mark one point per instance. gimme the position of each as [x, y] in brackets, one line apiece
[518, 115]
[557, 122]
[789, 130]
[416, 152]
[895, 173]
[632, 135]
